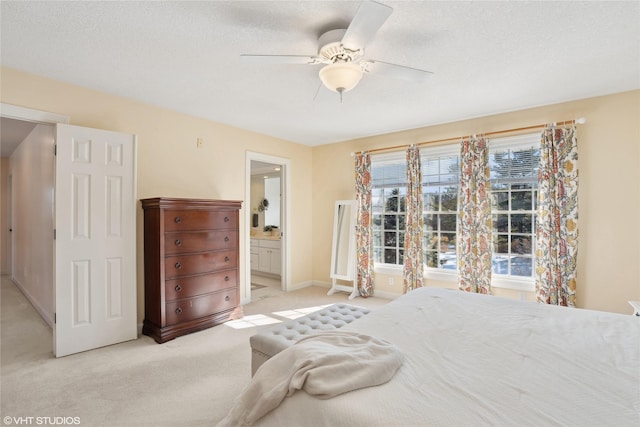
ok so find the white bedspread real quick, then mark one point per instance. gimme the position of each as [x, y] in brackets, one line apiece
[475, 360]
[324, 365]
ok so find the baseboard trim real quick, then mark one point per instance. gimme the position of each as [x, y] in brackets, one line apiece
[34, 303]
[301, 285]
[376, 293]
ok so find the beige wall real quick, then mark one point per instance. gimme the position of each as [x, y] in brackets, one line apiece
[169, 162]
[31, 169]
[609, 200]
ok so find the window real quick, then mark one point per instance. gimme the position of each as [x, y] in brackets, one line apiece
[514, 190]
[388, 199]
[440, 183]
[514, 173]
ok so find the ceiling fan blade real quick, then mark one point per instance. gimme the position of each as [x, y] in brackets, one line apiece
[396, 71]
[280, 59]
[364, 26]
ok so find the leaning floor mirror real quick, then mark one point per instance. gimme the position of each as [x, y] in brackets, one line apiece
[343, 253]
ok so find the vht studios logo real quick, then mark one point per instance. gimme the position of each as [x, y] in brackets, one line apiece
[41, 421]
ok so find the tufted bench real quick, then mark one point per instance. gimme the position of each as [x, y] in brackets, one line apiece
[272, 341]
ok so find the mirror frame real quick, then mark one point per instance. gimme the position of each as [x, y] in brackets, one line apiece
[344, 220]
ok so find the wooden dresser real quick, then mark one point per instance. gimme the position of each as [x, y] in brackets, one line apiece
[191, 255]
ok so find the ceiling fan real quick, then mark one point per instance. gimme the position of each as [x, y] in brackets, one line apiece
[341, 51]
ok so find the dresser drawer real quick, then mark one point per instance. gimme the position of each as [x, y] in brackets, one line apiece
[180, 220]
[186, 287]
[198, 241]
[193, 308]
[187, 265]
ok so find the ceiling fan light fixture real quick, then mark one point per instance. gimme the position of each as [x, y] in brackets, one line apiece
[340, 76]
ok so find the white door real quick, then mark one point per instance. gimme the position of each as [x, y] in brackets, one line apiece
[94, 217]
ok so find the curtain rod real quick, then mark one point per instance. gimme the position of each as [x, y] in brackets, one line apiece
[580, 120]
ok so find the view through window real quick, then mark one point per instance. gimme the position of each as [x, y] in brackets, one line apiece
[513, 162]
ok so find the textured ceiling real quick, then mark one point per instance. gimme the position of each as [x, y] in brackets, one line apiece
[487, 57]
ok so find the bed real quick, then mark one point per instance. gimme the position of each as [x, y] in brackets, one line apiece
[473, 359]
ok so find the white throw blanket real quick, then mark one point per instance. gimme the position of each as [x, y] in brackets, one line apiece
[324, 365]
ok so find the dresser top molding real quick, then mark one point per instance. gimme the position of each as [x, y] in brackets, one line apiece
[167, 202]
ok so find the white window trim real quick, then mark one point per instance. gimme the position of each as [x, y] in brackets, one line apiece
[525, 284]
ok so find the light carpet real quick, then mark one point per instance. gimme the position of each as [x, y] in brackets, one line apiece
[190, 381]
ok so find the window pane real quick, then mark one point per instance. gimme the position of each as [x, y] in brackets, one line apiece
[520, 223]
[377, 237]
[447, 222]
[430, 198]
[521, 266]
[390, 222]
[431, 241]
[501, 243]
[448, 242]
[520, 244]
[402, 203]
[500, 201]
[448, 261]
[377, 254]
[449, 199]
[390, 238]
[390, 256]
[391, 200]
[521, 200]
[431, 258]
[500, 223]
[377, 200]
[431, 222]
[500, 265]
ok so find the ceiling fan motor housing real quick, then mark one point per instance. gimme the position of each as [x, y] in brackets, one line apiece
[331, 48]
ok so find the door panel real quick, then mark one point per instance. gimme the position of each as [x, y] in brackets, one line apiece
[95, 269]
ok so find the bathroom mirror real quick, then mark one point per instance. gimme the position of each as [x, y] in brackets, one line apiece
[343, 253]
[272, 195]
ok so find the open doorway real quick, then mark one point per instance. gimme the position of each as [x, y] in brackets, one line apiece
[267, 237]
[27, 144]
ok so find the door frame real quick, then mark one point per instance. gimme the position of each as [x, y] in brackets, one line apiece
[285, 215]
[35, 116]
[29, 115]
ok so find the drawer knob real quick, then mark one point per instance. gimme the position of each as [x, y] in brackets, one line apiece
[178, 265]
[178, 310]
[226, 278]
[226, 219]
[178, 220]
[178, 288]
[178, 242]
[227, 298]
[226, 259]
[226, 238]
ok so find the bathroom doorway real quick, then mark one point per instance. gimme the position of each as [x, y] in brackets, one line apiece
[267, 210]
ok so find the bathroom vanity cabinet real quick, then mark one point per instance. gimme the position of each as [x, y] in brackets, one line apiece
[266, 256]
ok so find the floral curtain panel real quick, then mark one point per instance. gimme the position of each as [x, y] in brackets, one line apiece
[413, 252]
[364, 225]
[557, 225]
[474, 220]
